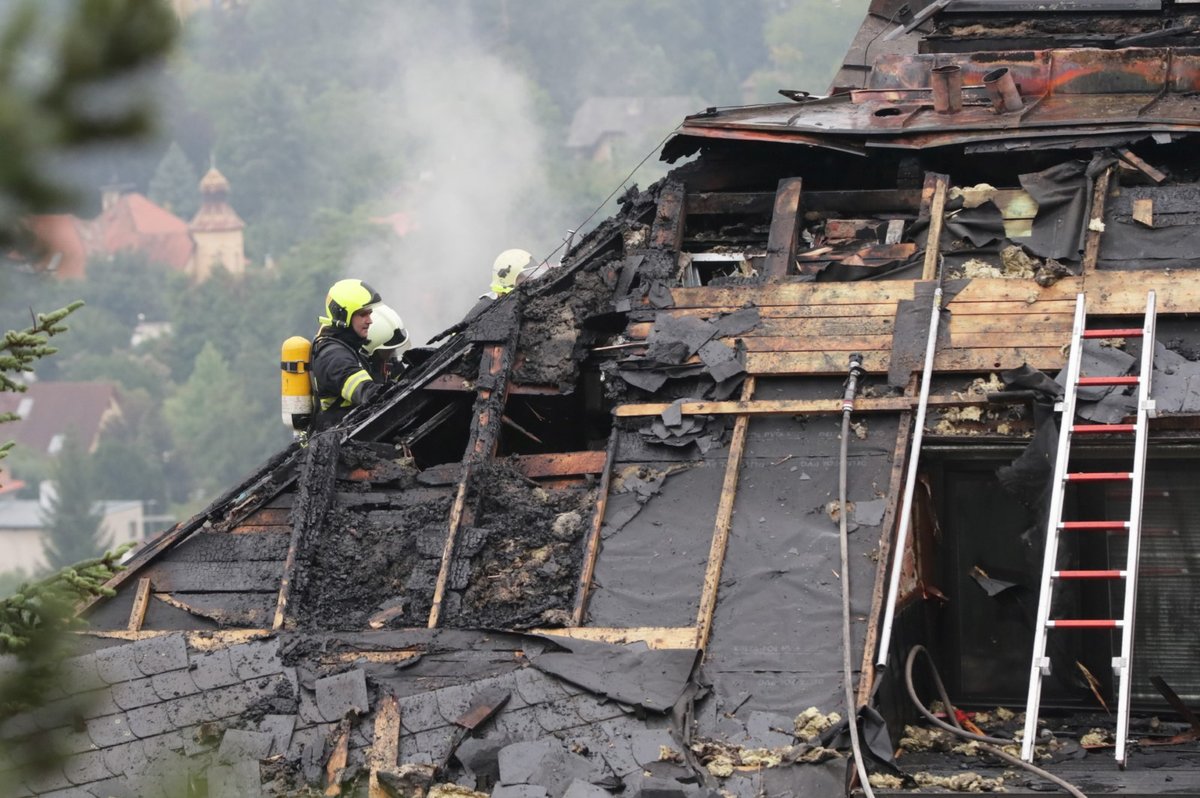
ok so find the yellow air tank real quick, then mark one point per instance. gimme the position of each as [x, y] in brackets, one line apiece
[296, 389]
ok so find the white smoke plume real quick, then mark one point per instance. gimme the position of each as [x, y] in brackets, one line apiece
[477, 179]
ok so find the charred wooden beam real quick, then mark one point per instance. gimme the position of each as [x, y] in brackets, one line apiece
[317, 487]
[720, 539]
[667, 230]
[1091, 247]
[384, 753]
[785, 229]
[894, 491]
[657, 637]
[141, 600]
[792, 407]
[592, 548]
[933, 203]
[762, 203]
[560, 464]
[495, 372]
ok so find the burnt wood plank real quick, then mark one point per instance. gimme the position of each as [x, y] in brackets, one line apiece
[785, 229]
[667, 230]
[966, 360]
[227, 547]
[559, 464]
[268, 516]
[250, 610]
[707, 203]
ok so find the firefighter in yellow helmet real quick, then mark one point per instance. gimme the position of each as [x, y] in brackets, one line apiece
[341, 365]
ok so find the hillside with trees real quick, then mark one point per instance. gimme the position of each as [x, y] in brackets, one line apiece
[405, 143]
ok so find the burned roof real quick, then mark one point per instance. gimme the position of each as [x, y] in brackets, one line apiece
[592, 544]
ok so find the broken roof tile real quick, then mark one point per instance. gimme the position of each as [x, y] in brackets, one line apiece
[426, 747]
[109, 730]
[280, 727]
[341, 694]
[173, 684]
[582, 789]
[520, 724]
[149, 721]
[117, 664]
[86, 767]
[240, 744]
[164, 747]
[256, 658]
[134, 694]
[420, 713]
[213, 669]
[307, 710]
[160, 654]
[307, 749]
[517, 761]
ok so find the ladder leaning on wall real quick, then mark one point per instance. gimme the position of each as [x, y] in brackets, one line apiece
[1136, 476]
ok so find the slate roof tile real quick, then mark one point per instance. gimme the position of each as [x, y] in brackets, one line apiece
[163, 749]
[242, 779]
[342, 693]
[454, 701]
[117, 663]
[173, 684]
[518, 761]
[594, 708]
[200, 739]
[125, 759]
[241, 744]
[308, 749]
[67, 792]
[161, 654]
[308, 712]
[82, 674]
[149, 721]
[55, 714]
[519, 791]
[109, 730]
[112, 788]
[19, 726]
[435, 744]
[97, 704]
[50, 779]
[74, 742]
[582, 789]
[86, 767]
[420, 713]
[134, 694]
[226, 702]
[187, 711]
[615, 752]
[520, 725]
[213, 669]
[558, 716]
[281, 728]
[256, 658]
[536, 687]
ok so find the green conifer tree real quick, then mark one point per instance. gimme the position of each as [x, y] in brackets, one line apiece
[175, 184]
[71, 521]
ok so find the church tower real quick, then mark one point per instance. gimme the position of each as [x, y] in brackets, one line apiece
[217, 231]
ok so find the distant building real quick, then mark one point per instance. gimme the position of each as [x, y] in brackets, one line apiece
[129, 222]
[601, 122]
[47, 410]
[22, 525]
[217, 231]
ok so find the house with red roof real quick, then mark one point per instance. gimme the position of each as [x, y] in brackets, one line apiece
[47, 410]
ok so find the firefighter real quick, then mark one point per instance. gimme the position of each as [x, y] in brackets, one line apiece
[387, 343]
[341, 365]
[507, 270]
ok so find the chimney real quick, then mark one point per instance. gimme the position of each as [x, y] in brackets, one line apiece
[946, 83]
[1003, 90]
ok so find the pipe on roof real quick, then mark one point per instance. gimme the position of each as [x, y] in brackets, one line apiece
[1003, 90]
[946, 82]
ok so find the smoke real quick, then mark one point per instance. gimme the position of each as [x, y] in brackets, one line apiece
[477, 183]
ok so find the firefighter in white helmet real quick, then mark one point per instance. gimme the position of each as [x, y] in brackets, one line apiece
[387, 341]
[507, 271]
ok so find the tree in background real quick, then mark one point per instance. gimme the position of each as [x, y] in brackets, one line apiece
[71, 523]
[174, 184]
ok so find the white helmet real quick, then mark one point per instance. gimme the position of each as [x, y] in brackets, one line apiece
[506, 267]
[386, 331]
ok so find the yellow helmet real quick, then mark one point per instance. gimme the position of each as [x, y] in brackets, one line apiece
[345, 298]
[507, 266]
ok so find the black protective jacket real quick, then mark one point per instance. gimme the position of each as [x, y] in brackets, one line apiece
[343, 374]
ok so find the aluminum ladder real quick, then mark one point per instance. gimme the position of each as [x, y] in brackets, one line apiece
[1136, 477]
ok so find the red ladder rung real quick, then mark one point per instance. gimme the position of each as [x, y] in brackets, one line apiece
[1112, 574]
[1100, 429]
[1092, 526]
[1098, 476]
[1086, 623]
[1124, 379]
[1132, 332]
